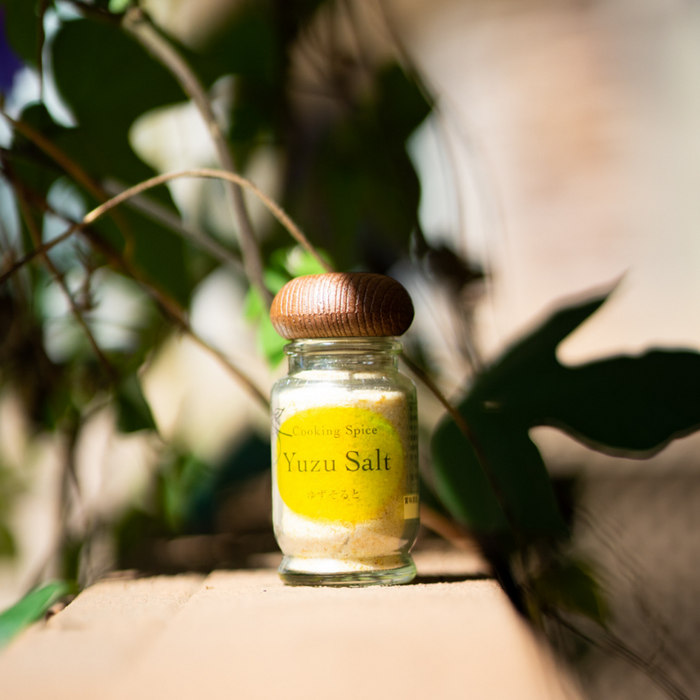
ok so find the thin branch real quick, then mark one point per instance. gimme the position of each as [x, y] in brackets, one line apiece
[137, 23]
[448, 530]
[173, 311]
[468, 433]
[100, 211]
[610, 643]
[71, 168]
[74, 170]
[274, 208]
[166, 217]
[168, 305]
[60, 279]
[37, 252]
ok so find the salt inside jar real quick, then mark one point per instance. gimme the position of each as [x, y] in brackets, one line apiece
[344, 433]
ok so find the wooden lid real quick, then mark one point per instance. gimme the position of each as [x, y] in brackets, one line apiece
[341, 305]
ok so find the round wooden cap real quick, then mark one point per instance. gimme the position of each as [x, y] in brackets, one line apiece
[341, 305]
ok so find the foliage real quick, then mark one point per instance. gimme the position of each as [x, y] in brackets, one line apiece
[495, 481]
[29, 609]
[346, 175]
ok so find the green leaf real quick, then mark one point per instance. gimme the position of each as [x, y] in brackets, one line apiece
[270, 343]
[523, 497]
[108, 80]
[23, 28]
[519, 372]
[359, 195]
[297, 261]
[181, 478]
[627, 404]
[571, 586]
[631, 405]
[30, 609]
[118, 6]
[498, 410]
[461, 484]
[133, 410]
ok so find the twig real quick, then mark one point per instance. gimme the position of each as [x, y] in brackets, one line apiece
[100, 211]
[176, 314]
[612, 644]
[36, 238]
[137, 23]
[73, 170]
[162, 215]
[468, 433]
[447, 529]
[274, 208]
[38, 251]
[162, 299]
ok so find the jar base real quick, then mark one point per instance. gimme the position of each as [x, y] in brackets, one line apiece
[374, 571]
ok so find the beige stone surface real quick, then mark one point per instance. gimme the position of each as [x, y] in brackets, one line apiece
[243, 634]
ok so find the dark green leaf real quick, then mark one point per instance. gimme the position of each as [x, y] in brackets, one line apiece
[133, 410]
[182, 477]
[521, 369]
[23, 29]
[523, 496]
[359, 194]
[108, 81]
[627, 404]
[498, 410]
[461, 483]
[623, 404]
[8, 548]
[631, 404]
[29, 609]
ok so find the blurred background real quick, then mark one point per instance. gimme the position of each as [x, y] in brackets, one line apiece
[499, 158]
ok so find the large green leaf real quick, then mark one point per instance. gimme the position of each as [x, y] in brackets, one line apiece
[628, 405]
[29, 609]
[521, 368]
[23, 28]
[517, 493]
[108, 80]
[354, 186]
[631, 404]
[461, 483]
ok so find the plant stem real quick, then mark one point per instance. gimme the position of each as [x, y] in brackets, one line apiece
[468, 433]
[448, 529]
[100, 211]
[168, 305]
[60, 279]
[273, 208]
[137, 23]
[165, 216]
[73, 170]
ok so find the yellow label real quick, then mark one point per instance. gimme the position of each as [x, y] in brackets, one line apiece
[411, 506]
[339, 463]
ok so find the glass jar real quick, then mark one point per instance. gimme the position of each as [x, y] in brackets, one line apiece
[345, 463]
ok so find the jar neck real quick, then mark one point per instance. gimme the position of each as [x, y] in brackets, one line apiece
[343, 354]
